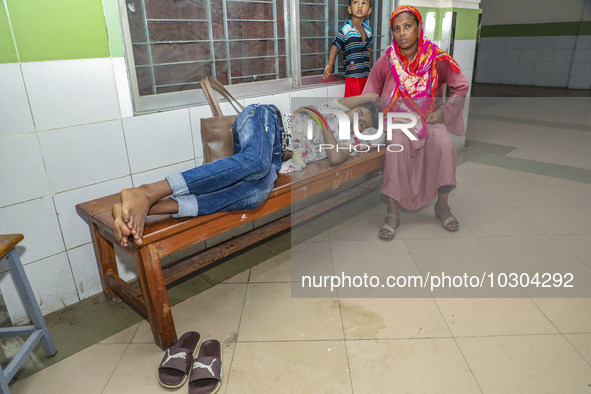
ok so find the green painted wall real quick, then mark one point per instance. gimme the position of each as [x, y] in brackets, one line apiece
[113, 27]
[7, 49]
[538, 29]
[58, 29]
[466, 21]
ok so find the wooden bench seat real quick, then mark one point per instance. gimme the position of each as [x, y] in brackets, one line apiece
[165, 235]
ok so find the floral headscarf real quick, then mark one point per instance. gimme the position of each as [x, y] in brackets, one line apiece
[416, 79]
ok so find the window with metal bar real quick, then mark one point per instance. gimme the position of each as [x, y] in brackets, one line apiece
[177, 42]
[320, 21]
[251, 46]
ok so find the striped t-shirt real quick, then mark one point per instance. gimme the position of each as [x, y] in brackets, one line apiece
[355, 51]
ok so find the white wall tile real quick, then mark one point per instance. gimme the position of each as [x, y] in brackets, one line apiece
[514, 42]
[158, 140]
[578, 69]
[85, 271]
[481, 77]
[543, 68]
[159, 174]
[314, 96]
[528, 55]
[482, 66]
[497, 55]
[529, 43]
[580, 55]
[526, 67]
[123, 89]
[524, 79]
[566, 42]
[464, 52]
[561, 68]
[483, 54]
[336, 91]
[509, 78]
[485, 43]
[512, 55]
[550, 42]
[545, 55]
[74, 229]
[588, 70]
[52, 283]
[498, 42]
[583, 42]
[84, 155]
[575, 82]
[14, 105]
[559, 81]
[493, 77]
[125, 264]
[541, 80]
[563, 55]
[23, 175]
[494, 66]
[71, 92]
[37, 221]
[510, 67]
[281, 101]
[586, 83]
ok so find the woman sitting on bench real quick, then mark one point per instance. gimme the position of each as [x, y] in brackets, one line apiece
[245, 180]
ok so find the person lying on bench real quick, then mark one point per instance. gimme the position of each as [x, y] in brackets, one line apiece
[244, 180]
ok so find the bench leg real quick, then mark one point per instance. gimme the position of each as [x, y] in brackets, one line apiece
[105, 258]
[156, 297]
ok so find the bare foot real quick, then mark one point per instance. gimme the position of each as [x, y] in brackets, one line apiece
[122, 231]
[135, 206]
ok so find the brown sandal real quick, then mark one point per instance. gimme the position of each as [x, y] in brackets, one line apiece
[445, 220]
[389, 228]
[206, 372]
[175, 366]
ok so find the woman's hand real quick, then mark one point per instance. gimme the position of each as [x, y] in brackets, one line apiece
[435, 117]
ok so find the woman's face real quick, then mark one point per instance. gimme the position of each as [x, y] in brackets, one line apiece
[405, 30]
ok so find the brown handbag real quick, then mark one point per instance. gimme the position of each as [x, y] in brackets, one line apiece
[216, 132]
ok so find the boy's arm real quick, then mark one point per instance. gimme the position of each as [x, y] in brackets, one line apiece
[331, 59]
[356, 101]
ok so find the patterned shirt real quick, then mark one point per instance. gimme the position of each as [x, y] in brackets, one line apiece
[356, 52]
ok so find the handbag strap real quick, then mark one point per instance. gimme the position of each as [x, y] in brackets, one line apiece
[208, 85]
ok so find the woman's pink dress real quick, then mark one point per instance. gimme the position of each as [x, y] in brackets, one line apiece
[413, 176]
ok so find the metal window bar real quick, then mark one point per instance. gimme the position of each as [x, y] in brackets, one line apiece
[149, 48]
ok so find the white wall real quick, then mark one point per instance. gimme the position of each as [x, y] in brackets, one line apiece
[505, 12]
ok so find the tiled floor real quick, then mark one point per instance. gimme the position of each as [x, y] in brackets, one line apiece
[524, 205]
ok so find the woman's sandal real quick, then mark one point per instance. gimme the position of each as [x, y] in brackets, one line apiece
[206, 374]
[175, 366]
[445, 220]
[389, 228]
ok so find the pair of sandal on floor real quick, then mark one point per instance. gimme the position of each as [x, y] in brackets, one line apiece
[445, 221]
[200, 365]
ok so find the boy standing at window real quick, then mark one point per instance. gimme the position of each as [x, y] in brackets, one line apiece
[355, 40]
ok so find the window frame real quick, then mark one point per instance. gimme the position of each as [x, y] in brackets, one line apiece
[195, 97]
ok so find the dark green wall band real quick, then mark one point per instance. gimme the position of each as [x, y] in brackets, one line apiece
[538, 29]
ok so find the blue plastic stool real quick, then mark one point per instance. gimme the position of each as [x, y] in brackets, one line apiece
[38, 332]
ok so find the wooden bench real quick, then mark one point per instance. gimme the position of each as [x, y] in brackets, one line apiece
[165, 235]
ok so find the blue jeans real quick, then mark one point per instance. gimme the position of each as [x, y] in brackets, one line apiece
[242, 181]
